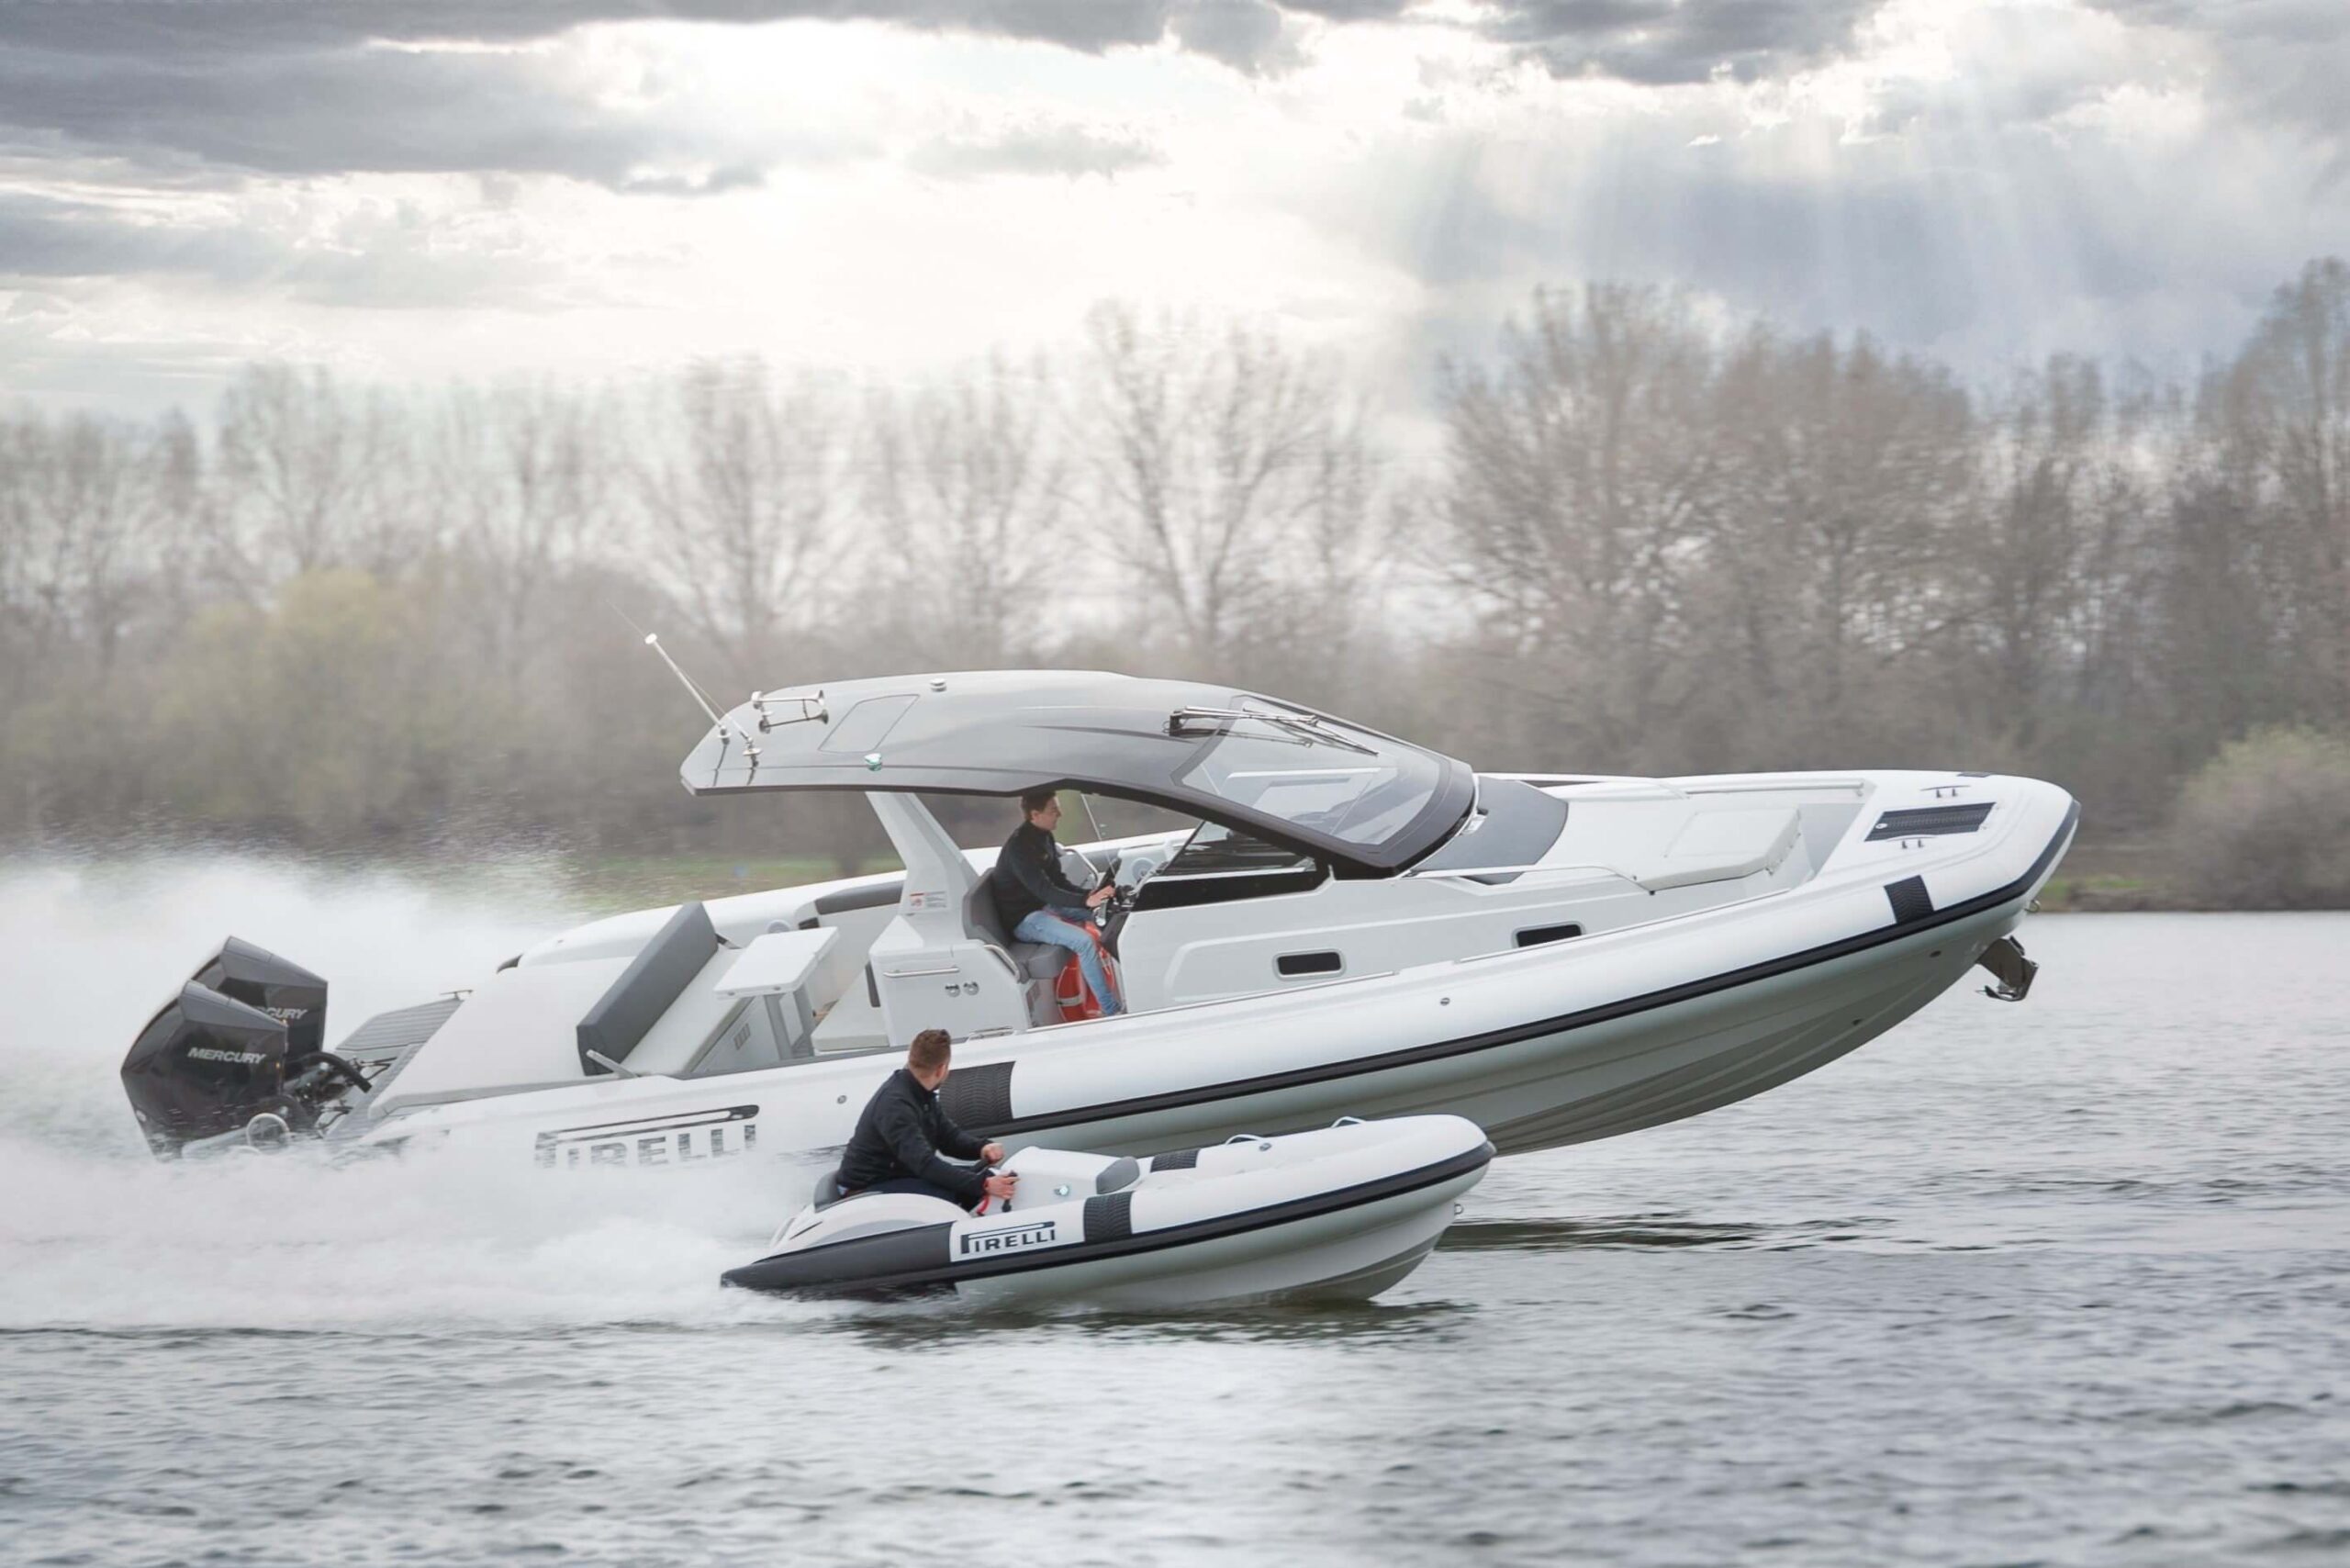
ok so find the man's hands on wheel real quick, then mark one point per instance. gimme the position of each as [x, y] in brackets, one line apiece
[992, 1154]
[1000, 1186]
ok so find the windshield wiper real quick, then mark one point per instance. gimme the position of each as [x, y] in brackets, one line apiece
[1308, 728]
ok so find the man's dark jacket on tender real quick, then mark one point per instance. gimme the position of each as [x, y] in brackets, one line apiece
[1028, 877]
[902, 1132]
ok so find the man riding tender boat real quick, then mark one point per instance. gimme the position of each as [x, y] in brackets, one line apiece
[902, 1140]
[1317, 920]
[1336, 1215]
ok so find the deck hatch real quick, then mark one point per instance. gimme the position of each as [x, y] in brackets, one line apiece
[1930, 822]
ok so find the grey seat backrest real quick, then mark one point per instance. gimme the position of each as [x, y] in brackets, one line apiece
[634, 1003]
[980, 917]
[1032, 960]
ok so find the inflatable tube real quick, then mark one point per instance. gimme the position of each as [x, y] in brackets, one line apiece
[1339, 1213]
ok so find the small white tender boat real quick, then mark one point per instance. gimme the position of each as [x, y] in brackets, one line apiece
[1336, 1215]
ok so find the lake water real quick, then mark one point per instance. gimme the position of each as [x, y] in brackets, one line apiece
[2063, 1282]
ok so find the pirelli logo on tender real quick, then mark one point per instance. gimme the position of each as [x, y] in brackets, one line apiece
[1005, 1238]
[686, 1139]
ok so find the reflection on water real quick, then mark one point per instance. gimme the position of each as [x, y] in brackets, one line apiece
[2060, 1282]
[1558, 1235]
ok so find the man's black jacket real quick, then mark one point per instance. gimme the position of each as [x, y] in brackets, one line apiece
[1027, 878]
[901, 1131]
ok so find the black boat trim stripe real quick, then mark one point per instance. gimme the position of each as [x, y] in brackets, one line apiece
[1214, 1228]
[1910, 900]
[1437, 1050]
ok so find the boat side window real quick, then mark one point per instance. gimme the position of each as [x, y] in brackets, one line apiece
[1221, 865]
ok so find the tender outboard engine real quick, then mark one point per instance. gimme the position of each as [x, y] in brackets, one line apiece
[237, 1051]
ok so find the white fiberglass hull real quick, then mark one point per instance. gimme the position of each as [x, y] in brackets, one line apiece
[1541, 1046]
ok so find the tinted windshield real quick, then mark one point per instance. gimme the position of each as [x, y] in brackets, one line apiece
[1215, 849]
[1316, 775]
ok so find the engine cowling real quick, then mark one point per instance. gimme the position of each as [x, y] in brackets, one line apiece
[217, 1055]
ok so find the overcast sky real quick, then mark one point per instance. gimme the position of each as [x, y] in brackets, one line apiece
[407, 190]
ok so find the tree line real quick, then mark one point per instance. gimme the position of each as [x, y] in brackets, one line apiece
[1631, 539]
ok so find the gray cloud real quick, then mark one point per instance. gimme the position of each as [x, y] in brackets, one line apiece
[1248, 35]
[382, 260]
[2282, 62]
[298, 88]
[1039, 148]
[190, 28]
[363, 111]
[1666, 42]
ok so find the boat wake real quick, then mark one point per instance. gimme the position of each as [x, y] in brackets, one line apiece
[101, 1235]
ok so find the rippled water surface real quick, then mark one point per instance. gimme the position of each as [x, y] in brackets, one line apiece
[2063, 1282]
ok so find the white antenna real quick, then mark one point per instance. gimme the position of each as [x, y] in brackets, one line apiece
[750, 747]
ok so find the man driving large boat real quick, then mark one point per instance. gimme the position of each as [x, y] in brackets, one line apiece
[1038, 903]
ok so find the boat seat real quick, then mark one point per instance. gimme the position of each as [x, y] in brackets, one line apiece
[653, 980]
[1032, 960]
[828, 1189]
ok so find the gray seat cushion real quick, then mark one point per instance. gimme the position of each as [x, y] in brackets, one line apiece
[660, 969]
[1038, 960]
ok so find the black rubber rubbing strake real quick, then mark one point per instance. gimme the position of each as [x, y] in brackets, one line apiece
[1110, 1218]
[978, 1096]
[919, 1257]
[1930, 822]
[1176, 1160]
[1909, 900]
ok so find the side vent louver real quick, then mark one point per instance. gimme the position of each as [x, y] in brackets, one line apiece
[1930, 822]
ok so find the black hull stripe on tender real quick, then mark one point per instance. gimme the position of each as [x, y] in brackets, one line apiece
[935, 1272]
[1437, 1050]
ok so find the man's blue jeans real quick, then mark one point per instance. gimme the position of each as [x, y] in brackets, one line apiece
[1045, 925]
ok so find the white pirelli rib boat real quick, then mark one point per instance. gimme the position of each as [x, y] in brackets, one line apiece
[1336, 1215]
[1344, 925]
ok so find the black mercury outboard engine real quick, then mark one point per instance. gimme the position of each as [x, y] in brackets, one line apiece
[236, 1051]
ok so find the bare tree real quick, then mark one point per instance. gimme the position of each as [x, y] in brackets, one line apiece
[1207, 453]
[965, 481]
[312, 476]
[521, 475]
[1577, 488]
[740, 482]
[2287, 404]
[85, 517]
